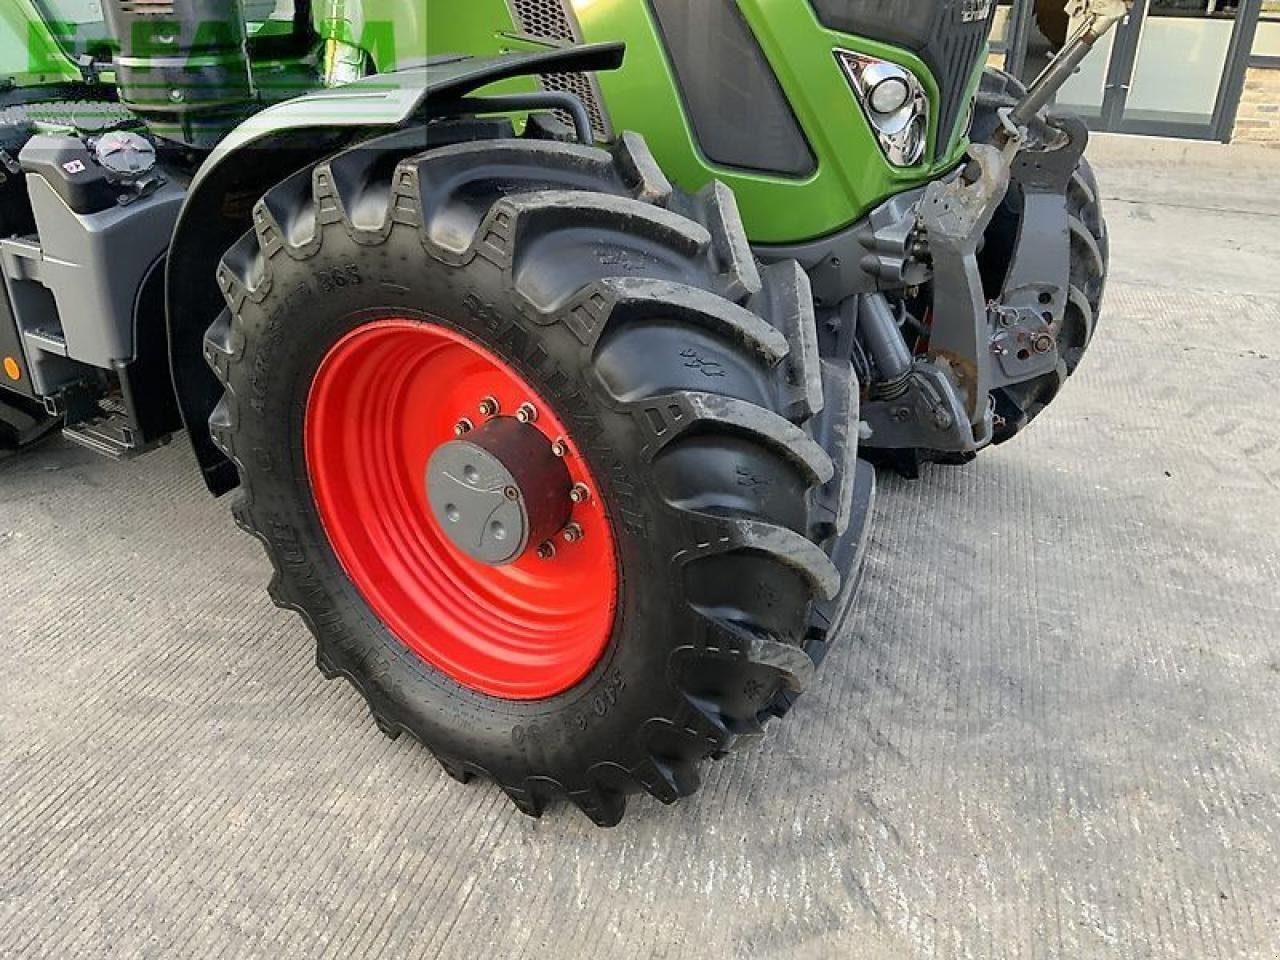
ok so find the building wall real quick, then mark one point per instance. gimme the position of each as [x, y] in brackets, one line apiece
[1259, 118]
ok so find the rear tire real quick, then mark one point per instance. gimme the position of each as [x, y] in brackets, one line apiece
[692, 389]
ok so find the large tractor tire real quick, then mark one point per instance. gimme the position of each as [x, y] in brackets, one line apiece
[1019, 404]
[547, 466]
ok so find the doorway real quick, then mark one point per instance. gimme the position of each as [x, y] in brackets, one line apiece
[1174, 68]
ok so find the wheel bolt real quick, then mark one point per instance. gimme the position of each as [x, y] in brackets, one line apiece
[463, 427]
[572, 533]
[489, 407]
[579, 493]
[1043, 343]
[546, 551]
[527, 413]
[560, 448]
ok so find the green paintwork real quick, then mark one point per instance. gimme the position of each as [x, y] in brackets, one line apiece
[852, 174]
[484, 25]
[851, 177]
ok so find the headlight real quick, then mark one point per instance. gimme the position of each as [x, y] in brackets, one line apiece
[894, 102]
[888, 90]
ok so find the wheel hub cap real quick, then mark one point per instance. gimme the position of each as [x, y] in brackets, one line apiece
[499, 490]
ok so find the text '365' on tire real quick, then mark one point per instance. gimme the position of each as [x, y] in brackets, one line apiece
[553, 472]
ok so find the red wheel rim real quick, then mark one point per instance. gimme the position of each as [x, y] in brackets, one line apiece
[386, 396]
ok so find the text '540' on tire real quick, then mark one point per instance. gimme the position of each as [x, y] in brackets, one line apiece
[554, 474]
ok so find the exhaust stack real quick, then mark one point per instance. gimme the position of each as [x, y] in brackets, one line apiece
[183, 66]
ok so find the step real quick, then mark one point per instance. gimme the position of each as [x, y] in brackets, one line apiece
[111, 436]
[46, 341]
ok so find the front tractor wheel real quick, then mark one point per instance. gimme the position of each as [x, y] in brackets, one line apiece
[551, 471]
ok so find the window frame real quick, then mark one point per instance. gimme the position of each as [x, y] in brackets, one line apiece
[1258, 61]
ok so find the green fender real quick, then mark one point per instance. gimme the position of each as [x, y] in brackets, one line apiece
[273, 145]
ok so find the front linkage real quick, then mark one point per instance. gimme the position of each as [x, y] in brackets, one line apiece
[944, 404]
[975, 296]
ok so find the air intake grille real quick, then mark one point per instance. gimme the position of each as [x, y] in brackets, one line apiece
[955, 55]
[544, 19]
[550, 21]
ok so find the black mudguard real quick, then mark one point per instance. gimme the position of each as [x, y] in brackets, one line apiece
[277, 143]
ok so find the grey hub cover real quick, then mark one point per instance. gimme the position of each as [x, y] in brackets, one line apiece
[498, 490]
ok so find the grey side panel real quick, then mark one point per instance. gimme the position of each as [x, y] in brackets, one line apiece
[74, 291]
[739, 112]
[872, 254]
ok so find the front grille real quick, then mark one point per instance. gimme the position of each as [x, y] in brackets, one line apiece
[550, 21]
[954, 55]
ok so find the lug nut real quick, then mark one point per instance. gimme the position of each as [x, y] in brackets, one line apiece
[463, 427]
[489, 407]
[1043, 343]
[527, 413]
[579, 493]
[560, 448]
[511, 493]
[546, 551]
[572, 533]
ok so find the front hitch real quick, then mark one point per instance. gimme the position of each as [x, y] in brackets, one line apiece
[977, 347]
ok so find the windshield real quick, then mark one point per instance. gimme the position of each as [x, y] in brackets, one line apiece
[13, 51]
[80, 25]
[79, 28]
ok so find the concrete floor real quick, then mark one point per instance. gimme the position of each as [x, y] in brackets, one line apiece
[1052, 731]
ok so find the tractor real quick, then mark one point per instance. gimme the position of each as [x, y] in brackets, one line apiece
[549, 347]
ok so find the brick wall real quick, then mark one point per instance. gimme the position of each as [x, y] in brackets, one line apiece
[1259, 118]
